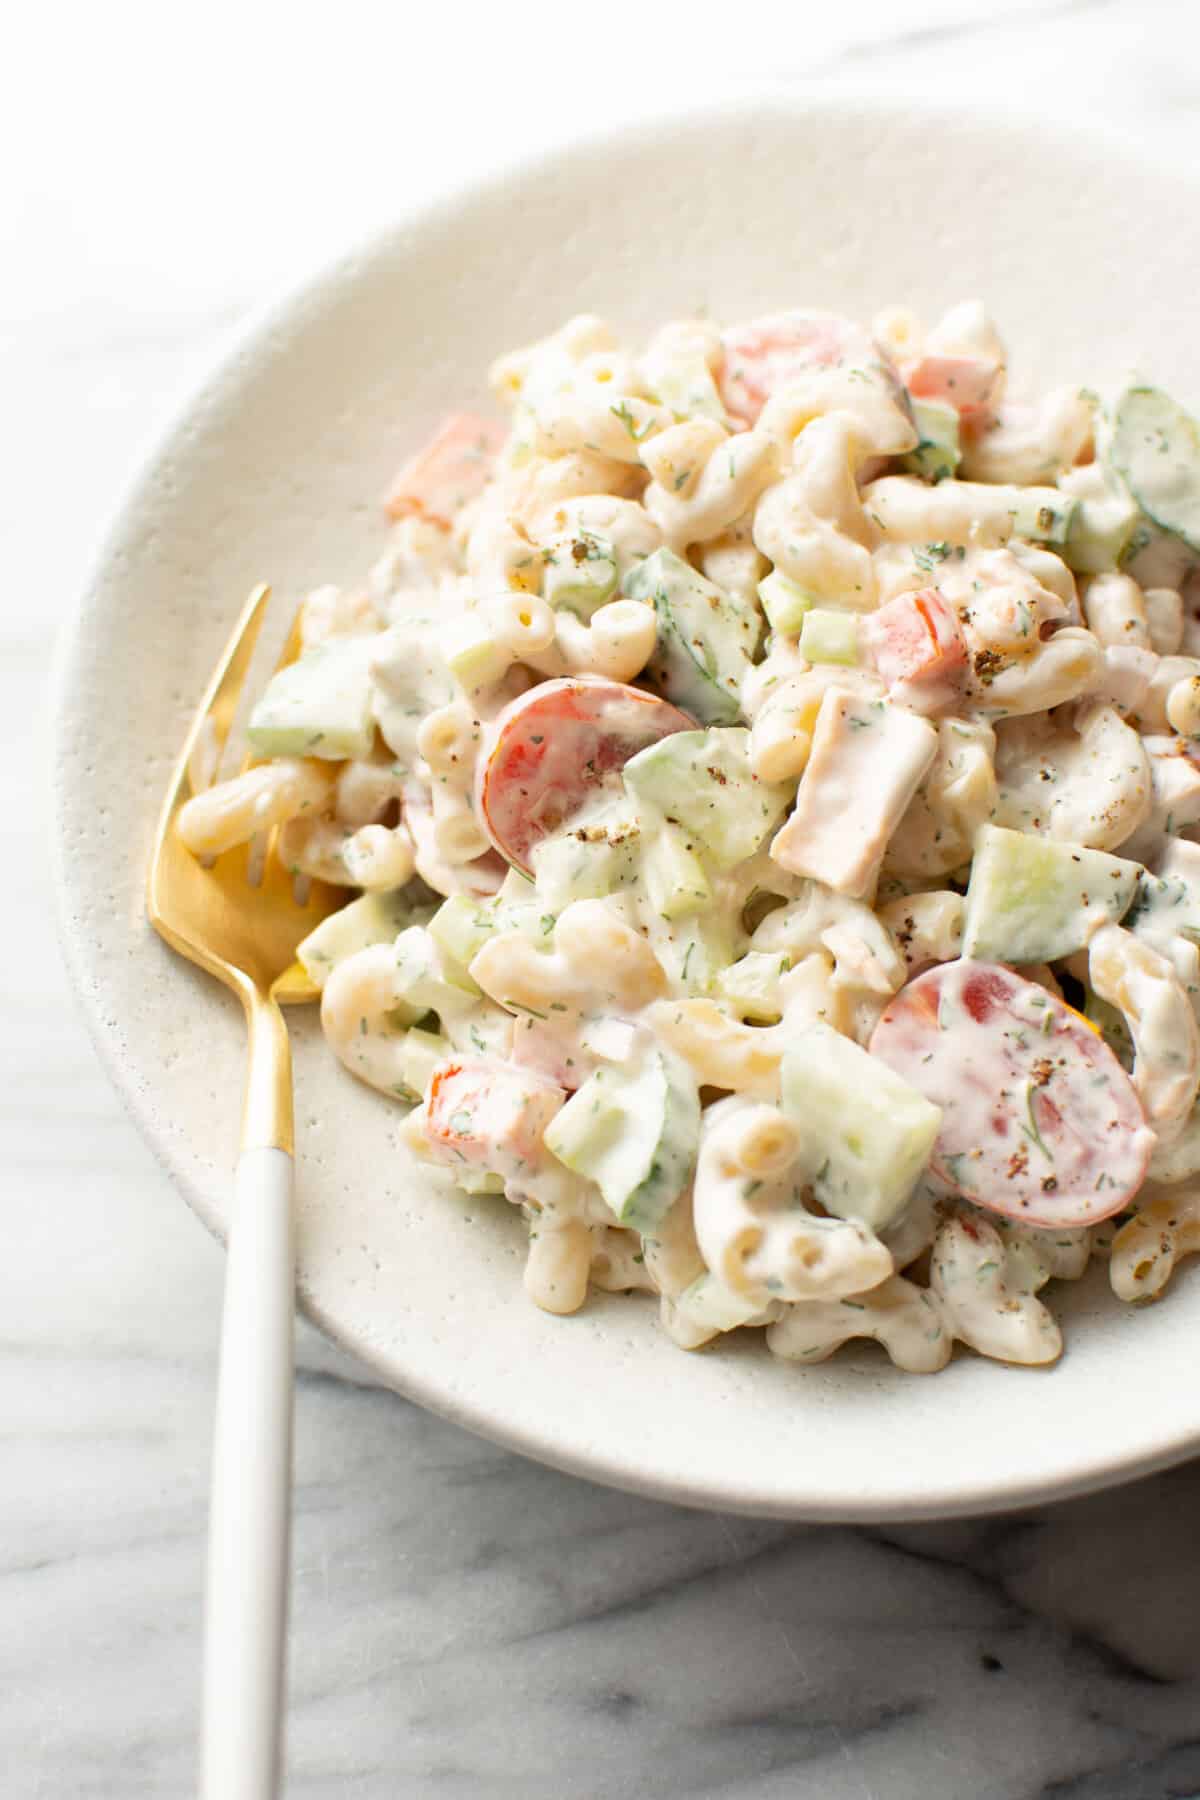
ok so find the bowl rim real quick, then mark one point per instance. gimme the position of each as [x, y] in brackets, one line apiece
[765, 102]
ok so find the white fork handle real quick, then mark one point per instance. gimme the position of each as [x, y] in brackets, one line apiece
[245, 1629]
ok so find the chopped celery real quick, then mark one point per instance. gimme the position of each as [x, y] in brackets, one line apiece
[828, 636]
[1044, 515]
[784, 601]
[937, 456]
[674, 875]
[371, 919]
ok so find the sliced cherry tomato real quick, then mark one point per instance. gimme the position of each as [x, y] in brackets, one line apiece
[451, 469]
[488, 1113]
[766, 354]
[1041, 1122]
[553, 748]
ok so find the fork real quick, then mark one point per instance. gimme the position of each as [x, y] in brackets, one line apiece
[246, 935]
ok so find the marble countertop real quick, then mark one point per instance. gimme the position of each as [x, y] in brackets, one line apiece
[464, 1622]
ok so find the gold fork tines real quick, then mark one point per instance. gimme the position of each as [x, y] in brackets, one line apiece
[246, 935]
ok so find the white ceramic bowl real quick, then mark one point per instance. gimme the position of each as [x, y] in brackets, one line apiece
[273, 471]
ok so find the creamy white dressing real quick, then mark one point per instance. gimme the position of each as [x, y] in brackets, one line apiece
[779, 449]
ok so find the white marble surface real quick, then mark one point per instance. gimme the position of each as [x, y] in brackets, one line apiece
[465, 1623]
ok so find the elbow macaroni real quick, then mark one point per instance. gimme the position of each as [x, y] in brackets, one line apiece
[713, 925]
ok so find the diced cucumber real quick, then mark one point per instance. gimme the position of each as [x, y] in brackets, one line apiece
[785, 602]
[702, 780]
[371, 919]
[1034, 899]
[459, 928]
[1104, 524]
[1155, 446]
[937, 456]
[1044, 515]
[422, 1052]
[705, 637]
[462, 926]
[319, 705]
[634, 1132]
[594, 856]
[693, 950]
[751, 985]
[674, 875]
[867, 1133]
[421, 981]
[829, 636]
[582, 574]
[474, 655]
[712, 1306]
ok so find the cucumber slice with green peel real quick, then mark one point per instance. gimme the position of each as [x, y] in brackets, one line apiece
[371, 919]
[1154, 445]
[319, 705]
[866, 1133]
[634, 1132]
[702, 781]
[706, 638]
[829, 636]
[1102, 530]
[938, 454]
[1034, 899]
[785, 602]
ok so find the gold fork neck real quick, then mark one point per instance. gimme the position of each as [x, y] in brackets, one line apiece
[267, 1114]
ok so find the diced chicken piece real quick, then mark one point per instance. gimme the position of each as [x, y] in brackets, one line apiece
[866, 762]
[918, 647]
[452, 469]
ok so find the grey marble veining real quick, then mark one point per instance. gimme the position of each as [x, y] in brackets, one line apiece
[465, 1623]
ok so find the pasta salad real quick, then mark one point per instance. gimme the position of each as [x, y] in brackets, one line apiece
[769, 769]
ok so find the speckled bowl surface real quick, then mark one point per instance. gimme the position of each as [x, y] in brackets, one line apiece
[273, 471]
